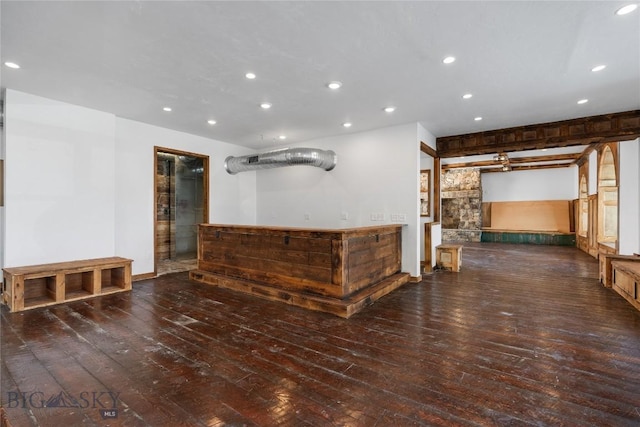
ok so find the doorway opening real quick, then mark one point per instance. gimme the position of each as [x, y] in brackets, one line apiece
[182, 202]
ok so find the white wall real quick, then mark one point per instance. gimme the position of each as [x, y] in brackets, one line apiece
[79, 183]
[60, 192]
[544, 184]
[377, 173]
[629, 197]
[593, 172]
[231, 197]
[436, 239]
[2, 179]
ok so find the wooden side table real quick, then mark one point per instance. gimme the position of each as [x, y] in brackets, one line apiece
[449, 257]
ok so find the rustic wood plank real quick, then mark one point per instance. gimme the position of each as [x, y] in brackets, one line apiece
[345, 306]
[70, 266]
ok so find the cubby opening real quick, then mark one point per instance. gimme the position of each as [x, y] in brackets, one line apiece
[113, 279]
[78, 285]
[38, 291]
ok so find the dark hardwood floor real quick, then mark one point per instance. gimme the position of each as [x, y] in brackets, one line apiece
[523, 335]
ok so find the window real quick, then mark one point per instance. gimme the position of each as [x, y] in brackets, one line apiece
[607, 198]
[584, 207]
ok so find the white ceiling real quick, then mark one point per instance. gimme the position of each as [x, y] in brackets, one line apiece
[525, 62]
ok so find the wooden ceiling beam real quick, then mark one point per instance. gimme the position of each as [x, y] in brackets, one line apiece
[478, 164]
[428, 150]
[582, 131]
[550, 158]
[516, 160]
[528, 167]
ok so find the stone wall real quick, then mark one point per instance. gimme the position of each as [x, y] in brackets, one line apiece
[461, 205]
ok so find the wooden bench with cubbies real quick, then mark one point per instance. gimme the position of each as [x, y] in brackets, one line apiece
[47, 284]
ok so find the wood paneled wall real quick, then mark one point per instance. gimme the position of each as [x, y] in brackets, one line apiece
[545, 215]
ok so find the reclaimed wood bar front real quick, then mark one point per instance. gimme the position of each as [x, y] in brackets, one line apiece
[335, 271]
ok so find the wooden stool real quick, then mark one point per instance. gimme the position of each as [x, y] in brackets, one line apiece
[449, 257]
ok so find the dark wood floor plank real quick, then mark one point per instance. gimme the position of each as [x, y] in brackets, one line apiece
[254, 358]
[175, 334]
[521, 336]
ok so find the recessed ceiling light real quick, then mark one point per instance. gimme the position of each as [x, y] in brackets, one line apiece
[544, 149]
[265, 105]
[346, 124]
[250, 76]
[583, 101]
[598, 68]
[12, 65]
[449, 59]
[282, 137]
[626, 9]
[389, 109]
[477, 119]
[467, 96]
[211, 122]
[167, 109]
[334, 85]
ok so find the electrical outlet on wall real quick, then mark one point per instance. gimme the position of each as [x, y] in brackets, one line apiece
[397, 217]
[344, 216]
[307, 216]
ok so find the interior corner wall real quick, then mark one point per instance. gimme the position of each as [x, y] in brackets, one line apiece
[376, 176]
[629, 197]
[232, 198]
[59, 171]
[530, 185]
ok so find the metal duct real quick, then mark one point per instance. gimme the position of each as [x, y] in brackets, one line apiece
[325, 159]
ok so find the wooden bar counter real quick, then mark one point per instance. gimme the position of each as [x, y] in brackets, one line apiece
[335, 271]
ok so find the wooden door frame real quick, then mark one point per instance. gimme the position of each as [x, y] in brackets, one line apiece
[428, 259]
[205, 191]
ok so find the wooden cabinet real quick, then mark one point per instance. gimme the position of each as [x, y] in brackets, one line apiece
[626, 280]
[604, 251]
[47, 284]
